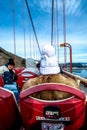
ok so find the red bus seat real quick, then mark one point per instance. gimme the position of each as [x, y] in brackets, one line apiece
[9, 113]
[73, 108]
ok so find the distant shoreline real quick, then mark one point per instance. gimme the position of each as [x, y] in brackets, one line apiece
[77, 68]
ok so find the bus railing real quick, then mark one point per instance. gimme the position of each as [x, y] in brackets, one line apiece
[78, 78]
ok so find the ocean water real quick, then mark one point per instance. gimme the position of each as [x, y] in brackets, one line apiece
[80, 72]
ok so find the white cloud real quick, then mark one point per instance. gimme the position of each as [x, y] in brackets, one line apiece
[80, 55]
[72, 6]
[46, 5]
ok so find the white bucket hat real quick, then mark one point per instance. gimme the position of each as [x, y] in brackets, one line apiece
[49, 63]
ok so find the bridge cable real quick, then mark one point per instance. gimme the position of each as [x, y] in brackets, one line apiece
[64, 29]
[57, 29]
[54, 27]
[24, 30]
[13, 21]
[52, 22]
[32, 24]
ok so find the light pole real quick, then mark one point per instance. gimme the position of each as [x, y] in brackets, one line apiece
[70, 48]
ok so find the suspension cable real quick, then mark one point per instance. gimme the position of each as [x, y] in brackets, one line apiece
[54, 26]
[24, 28]
[32, 24]
[57, 28]
[52, 22]
[13, 21]
[64, 29]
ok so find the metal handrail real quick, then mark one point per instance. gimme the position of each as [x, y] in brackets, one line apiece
[82, 80]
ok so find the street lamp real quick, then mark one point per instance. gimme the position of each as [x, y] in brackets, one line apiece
[70, 48]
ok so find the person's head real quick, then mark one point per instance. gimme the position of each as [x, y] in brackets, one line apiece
[38, 65]
[10, 64]
[49, 63]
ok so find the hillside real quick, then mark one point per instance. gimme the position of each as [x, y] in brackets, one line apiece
[20, 62]
[5, 55]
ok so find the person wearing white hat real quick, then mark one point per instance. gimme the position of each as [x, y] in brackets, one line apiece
[49, 63]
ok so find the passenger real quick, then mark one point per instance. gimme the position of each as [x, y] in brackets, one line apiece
[38, 65]
[8, 75]
[31, 65]
[50, 73]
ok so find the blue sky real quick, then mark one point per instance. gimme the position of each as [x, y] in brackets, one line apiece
[76, 27]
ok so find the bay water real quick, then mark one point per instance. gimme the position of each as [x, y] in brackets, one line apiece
[80, 72]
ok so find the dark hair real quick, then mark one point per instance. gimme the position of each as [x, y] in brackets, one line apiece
[11, 62]
[38, 65]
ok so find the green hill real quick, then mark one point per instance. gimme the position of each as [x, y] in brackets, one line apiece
[5, 55]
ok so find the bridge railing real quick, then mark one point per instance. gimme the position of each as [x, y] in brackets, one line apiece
[77, 78]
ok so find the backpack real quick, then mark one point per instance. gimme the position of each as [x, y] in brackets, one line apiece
[7, 78]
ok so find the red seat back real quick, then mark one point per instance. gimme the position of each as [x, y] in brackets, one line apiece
[9, 113]
[1, 82]
[74, 107]
[24, 76]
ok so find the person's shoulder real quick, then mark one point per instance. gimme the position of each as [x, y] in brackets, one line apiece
[3, 67]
